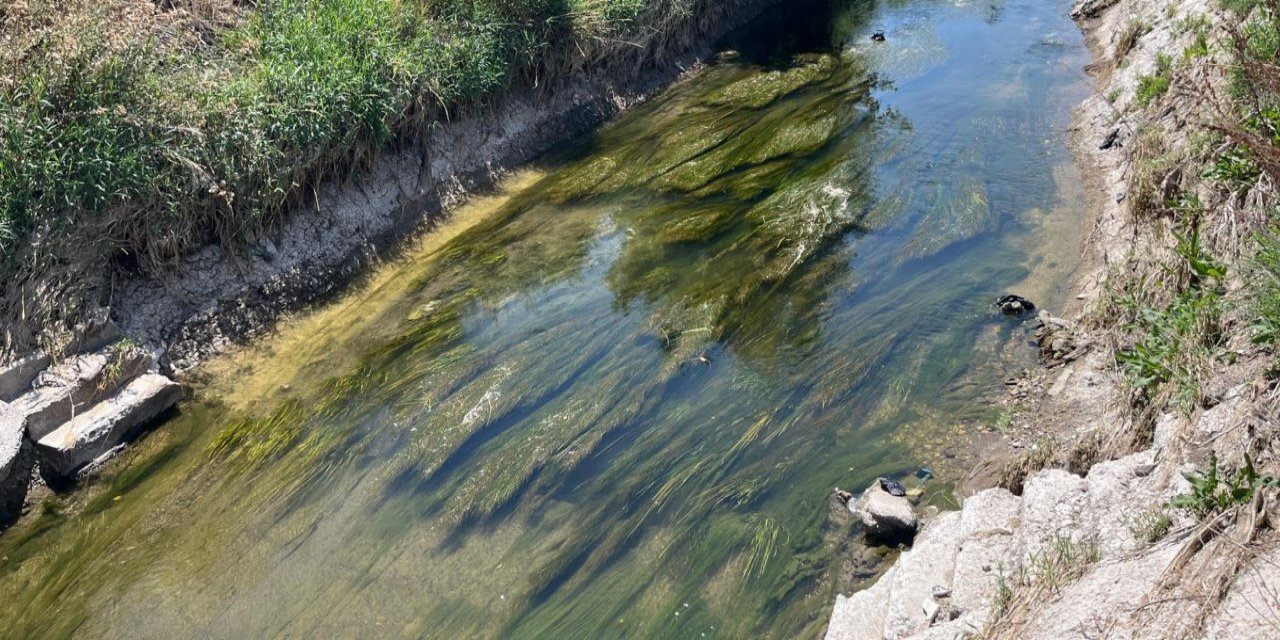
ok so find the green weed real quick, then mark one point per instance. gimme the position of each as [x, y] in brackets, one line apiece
[1151, 525]
[1214, 489]
[1153, 87]
[1178, 341]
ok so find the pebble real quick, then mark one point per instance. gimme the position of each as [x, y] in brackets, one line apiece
[940, 591]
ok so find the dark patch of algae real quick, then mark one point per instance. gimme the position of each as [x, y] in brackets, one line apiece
[613, 407]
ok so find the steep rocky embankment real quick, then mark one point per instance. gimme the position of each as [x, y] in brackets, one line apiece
[1116, 542]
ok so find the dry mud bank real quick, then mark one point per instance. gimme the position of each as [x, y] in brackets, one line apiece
[1086, 545]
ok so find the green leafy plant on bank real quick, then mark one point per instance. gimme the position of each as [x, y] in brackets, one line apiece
[1215, 489]
[1153, 87]
[1178, 341]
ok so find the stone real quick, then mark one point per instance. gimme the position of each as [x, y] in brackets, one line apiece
[73, 386]
[861, 615]
[989, 524]
[887, 518]
[16, 463]
[95, 434]
[1052, 503]
[1248, 612]
[16, 378]
[940, 591]
[931, 609]
[96, 333]
[930, 561]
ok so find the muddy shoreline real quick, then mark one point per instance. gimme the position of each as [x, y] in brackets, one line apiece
[218, 297]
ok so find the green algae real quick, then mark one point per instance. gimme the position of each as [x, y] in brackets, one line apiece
[759, 90]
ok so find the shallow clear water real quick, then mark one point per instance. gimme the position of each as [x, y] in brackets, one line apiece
[612, 399]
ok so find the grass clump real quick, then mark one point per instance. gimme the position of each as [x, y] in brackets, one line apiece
[1151, 525]
[1133, 30]
[1153, 87]
[1015, 472]
[1264, 287]
[1062, 561]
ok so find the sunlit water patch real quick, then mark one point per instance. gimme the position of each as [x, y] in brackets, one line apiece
[612, 400]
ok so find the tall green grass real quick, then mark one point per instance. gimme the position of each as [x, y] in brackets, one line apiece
[145, 129]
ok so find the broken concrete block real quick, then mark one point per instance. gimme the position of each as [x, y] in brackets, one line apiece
[16, 378]
[17, 459]
[99, 431]
[71, 387]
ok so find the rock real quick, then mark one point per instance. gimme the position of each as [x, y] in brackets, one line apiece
[16, 463]
[96, 433]
[1090, 8]
[930, 561]
[1111, 140]
[70, 387]
[989, 522]
[888, 518]
[931, 609]
[16, 378]
[1012, 305]
[1057, 339]
[861, 615]
[940, 591]
[96, 333]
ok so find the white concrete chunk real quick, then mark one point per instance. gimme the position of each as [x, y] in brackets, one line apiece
[98, 431]
[16, 462]
[71, 387]
[931, 561]
[861, 615]
[15, 378]
[989, 524]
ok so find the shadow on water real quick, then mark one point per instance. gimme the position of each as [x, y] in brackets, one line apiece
[616, 405]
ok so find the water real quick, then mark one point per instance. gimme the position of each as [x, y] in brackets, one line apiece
[611, 400]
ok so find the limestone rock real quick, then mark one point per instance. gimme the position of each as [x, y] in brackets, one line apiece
[861, 615]
[96, 433]
[930, 562]
[1249, 610]
[887, 517]
[1052, 504]
[989, 522]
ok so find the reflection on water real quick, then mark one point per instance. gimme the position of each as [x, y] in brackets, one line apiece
[613, 403]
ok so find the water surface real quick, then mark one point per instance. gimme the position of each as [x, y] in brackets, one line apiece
[612, 399]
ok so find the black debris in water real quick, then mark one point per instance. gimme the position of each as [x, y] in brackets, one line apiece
[1012, 305]
[892, 487]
